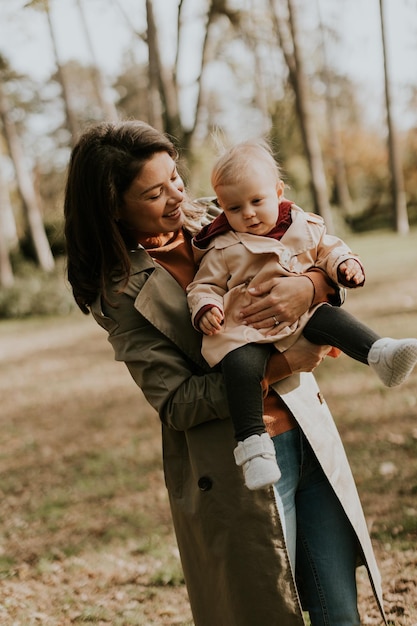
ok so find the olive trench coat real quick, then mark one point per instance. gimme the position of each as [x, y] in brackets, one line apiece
[230, 539]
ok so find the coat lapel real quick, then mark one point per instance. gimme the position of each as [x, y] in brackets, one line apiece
[162, 301]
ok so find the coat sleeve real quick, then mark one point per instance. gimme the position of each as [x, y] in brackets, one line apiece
[325, 290]
[331, 250]
[209, 284]
[183, 393]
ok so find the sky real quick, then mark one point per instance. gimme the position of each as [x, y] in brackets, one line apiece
[24, 37]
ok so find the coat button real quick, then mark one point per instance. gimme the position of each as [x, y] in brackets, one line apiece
[205, 483]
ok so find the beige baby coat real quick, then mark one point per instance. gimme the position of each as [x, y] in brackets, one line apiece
[235, 261]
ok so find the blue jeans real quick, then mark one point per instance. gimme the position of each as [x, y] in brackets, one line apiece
[322, 545]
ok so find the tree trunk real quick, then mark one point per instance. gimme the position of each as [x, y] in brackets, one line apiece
[397, 179]
[71, 118]
[155, 114]
[163, 92]
[344, 199]
[291, 49]
[26, 190]
[8, 221]
[106, 104]
[6, 271]
[162, 82]
[206, 56]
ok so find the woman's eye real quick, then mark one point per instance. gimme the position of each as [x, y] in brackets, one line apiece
[156, 195]
[175, 176]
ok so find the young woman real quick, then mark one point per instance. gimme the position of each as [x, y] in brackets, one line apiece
[128, 228]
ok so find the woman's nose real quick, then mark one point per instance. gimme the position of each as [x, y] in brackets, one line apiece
[176, 193]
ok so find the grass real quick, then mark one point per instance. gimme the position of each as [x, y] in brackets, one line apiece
[85, 529]
[378, 424]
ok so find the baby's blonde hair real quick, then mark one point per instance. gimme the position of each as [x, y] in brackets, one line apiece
[232, 165]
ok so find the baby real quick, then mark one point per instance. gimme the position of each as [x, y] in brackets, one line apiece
[261, 234]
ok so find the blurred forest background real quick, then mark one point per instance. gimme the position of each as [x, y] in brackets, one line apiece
[86, 534]
[196, 68]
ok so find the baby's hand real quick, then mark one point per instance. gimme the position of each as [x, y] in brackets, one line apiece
[211, 321]
[352, 272]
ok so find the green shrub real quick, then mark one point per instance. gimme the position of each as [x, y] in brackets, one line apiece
[36, 292]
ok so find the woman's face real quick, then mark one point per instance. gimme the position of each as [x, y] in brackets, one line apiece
[152, 204]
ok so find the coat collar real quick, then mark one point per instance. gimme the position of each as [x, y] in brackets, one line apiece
[297, 239]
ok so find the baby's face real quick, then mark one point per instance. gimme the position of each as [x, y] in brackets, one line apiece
[251, 206]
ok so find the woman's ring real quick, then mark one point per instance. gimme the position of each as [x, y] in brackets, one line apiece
[276, 322]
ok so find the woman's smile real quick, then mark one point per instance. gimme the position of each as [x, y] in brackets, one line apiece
[175, 214]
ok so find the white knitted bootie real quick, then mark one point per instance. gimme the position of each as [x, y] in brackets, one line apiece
[256, 455]
[393, 359]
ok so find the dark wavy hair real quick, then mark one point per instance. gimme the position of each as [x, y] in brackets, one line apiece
[103, 164]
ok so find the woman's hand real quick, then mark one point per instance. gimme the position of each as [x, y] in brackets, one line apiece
[304, 356]
[280, 302]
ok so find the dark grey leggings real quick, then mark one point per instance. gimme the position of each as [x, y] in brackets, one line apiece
[244, 368]
[330, 325]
